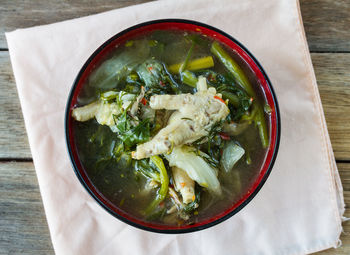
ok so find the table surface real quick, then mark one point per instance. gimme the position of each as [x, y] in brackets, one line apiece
[23, 226]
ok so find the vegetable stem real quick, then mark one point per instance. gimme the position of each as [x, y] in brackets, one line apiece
[243, 81]
[232, 67]
[234, 100]
[261, 123]
[188, 56]
[164, 179]
[189, 78]
[194, 65]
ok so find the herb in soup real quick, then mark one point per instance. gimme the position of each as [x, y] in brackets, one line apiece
[171, 128]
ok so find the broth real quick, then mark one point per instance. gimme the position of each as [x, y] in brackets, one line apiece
[116, 177]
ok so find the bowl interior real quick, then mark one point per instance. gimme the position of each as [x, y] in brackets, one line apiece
[100, 54]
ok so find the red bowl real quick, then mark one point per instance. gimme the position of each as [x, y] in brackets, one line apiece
[182, 25]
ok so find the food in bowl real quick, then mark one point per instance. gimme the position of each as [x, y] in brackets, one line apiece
[172, 127]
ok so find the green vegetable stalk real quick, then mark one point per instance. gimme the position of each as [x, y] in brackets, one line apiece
[188, 56]
[142, 166]
[261, 123]
[193, 65]
[232, 67]
[234, 100]
[189, 78]
[164, 180]
[243, 81]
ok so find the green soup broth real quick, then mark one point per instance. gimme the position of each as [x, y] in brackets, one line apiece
[116, 178]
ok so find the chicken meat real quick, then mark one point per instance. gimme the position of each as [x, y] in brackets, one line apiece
[193, 117]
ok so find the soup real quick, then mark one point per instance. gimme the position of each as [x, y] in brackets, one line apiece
[171, 127]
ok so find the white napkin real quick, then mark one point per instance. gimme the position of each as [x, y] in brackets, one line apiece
[299, 208]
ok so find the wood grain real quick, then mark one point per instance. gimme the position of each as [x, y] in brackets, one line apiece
[13, 138]
[326, 21]
[24, 13]
[22, 219]
[24, 227]
[333, 77]
[326, 24]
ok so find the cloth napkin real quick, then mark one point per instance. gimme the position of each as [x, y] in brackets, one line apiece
[299, 208]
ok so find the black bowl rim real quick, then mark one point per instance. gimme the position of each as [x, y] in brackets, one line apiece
[214, 222]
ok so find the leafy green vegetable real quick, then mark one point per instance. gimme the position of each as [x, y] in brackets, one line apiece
[156, 78]
[232, 67]
[243, 81]
[164, 180]
[101, 143]
[132, 135]
[144, 167]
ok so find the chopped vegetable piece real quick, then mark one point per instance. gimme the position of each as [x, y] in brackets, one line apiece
[233, 99]
[145, 168]
[261, 123]
[156, 78]
[232, 67]
[189, 53]
[194, 65]
[230, 155]
[144, 101]
[248, 159]
[164, 180]
[130, 134]
[220, 99]
[267, 109]
[197, 169]
[109, 95]
[189, 78]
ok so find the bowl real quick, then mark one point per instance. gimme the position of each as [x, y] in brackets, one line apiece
[186, 26]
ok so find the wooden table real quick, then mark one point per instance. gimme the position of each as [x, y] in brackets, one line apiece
[23, 227]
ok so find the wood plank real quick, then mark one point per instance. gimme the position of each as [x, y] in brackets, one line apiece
[326, 21]
[13, 138]
[327, 24]
[24, 227]
[332, 72]
[23, 224]
[344, 171]
[333, 78]
[24, 13]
